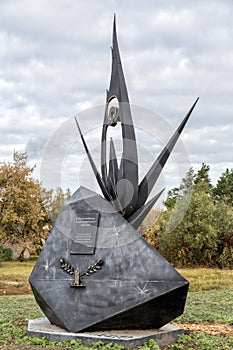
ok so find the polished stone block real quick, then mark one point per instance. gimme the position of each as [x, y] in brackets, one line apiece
[134, 288]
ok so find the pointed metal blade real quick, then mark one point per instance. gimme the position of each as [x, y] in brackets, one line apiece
[117, 84]
[95, 171]
[115, 202]
[117, 89]
[129, 163]
[113, 165]
[112, 178]
[137, 218]
[151, 177]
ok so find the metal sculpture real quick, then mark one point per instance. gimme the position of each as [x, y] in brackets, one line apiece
[127, 284]
[127, 172]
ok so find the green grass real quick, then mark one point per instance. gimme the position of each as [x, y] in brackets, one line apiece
[202, 341]
[203, 279]
[209, 301]
[14, 278]
[211, 306]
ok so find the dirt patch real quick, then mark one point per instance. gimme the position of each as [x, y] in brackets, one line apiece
[217, 329]
[14, 288]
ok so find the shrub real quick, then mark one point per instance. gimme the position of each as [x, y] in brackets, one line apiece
[226, 258]
[6, 254]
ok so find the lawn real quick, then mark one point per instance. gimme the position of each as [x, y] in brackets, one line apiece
[207, 320]
[14, 277]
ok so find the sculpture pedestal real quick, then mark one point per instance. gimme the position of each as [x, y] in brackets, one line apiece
[167, 334]
[125, 283]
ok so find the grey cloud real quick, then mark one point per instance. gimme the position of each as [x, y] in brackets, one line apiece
[55, 60]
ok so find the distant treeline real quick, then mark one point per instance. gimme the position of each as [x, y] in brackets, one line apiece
[196, 229]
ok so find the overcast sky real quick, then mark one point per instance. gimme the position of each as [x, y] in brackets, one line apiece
[55, 62]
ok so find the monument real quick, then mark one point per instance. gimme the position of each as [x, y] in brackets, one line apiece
[96, 272]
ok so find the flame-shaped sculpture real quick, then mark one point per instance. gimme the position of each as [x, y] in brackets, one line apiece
[115, 179]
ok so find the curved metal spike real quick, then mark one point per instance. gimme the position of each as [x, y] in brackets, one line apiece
[137, 218]
[116, 203]
[129, 163]
[113, 177]
[97, 174]
[117, 86]
[151, 177]
[113, 169]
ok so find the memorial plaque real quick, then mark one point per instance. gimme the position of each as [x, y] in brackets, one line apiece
[85, 237]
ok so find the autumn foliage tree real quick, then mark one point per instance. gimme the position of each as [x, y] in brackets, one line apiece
[56, 202]
[23, 218]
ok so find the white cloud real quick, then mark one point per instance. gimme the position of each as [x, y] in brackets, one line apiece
[55, 62]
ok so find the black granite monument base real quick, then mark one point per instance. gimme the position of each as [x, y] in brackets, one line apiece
[97, 273]
[130, 339]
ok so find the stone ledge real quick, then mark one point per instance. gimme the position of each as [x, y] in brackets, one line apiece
[41, 327]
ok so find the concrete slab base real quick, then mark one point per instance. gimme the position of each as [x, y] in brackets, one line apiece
[167, 334]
